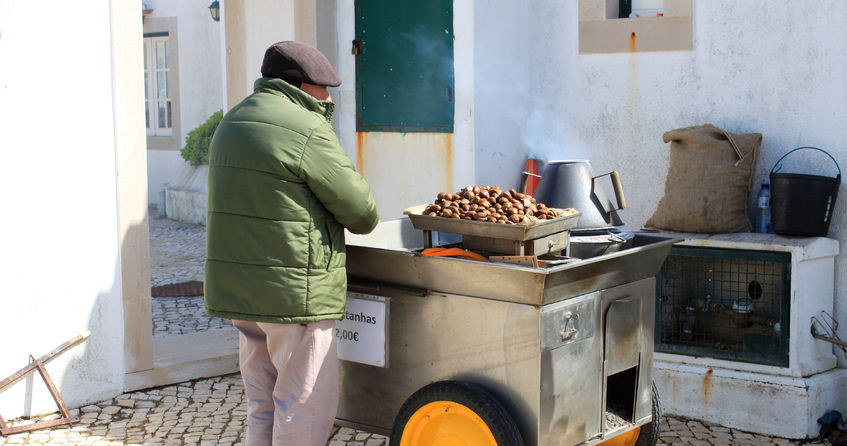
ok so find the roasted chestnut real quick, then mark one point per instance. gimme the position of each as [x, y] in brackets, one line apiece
[488, 204]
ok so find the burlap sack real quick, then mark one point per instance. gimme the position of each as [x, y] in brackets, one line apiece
[708, 181]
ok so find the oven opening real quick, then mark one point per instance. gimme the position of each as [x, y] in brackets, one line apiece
[620, 398]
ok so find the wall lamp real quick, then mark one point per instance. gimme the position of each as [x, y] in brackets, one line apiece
[215, 10]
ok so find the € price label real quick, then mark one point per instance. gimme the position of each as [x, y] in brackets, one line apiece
[362, 334]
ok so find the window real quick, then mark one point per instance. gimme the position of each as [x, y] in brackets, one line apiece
[638, 26]
[404, 66]
[161, 83]
[157, 85]
[638, 9]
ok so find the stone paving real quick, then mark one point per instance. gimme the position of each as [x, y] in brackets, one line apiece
[181, 315]
[203, 412]
[678, 431]
[177, 253]
[213, 412]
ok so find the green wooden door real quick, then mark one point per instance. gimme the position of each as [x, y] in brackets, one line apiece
[404, 66]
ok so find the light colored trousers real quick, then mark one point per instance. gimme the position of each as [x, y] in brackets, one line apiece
[290, 374]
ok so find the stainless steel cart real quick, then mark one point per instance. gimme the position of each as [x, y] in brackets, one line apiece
[565, 352]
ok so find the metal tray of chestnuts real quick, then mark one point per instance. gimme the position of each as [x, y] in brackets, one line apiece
[521, 232]
[527, 229]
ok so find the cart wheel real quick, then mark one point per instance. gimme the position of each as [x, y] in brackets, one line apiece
[454, 413]
[649, 435]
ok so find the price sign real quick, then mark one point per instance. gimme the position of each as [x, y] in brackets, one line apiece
[362, 334]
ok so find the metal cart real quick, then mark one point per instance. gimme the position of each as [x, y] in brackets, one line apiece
[493, 353]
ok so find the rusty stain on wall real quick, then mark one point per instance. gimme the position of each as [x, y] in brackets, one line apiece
[405, 169]
[448, 162]
[360, 161]
[707, 386]
[633, 118]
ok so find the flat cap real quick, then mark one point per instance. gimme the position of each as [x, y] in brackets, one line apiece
[298, 62]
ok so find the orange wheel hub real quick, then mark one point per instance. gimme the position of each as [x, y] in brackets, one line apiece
[624, 439]
[446, 423]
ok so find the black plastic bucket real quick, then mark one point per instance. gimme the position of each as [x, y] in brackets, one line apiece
[802, 204]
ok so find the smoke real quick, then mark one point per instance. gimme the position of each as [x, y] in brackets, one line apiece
[518, 104]
[421, 43]
[547, 138]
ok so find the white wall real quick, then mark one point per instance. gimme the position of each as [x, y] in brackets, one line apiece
[770, 67]
[266, 22]
[60, 264]
[163, 167]
[200, 81]
[502, 78]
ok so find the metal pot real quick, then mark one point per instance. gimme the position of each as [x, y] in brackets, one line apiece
[572, 184]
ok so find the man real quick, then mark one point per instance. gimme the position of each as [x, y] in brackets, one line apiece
[281, 192]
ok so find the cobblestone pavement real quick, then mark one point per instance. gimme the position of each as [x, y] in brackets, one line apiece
[213, 412]
[177, 253]
[181, 315]
[678, 431]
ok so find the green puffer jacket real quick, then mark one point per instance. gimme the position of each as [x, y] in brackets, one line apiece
[281, 192]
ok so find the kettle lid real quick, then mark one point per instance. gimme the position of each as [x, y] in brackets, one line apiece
[569, 162]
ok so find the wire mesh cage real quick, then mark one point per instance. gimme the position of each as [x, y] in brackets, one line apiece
[724, 303]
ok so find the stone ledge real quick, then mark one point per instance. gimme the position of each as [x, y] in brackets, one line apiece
[186, 206]
[186, 196]
[754, 402]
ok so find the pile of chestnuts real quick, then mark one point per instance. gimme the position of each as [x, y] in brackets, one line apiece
[489, 204]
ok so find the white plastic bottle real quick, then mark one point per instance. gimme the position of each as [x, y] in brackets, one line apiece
[763, 210]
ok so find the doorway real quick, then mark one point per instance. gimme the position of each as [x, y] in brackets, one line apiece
[168, 339]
